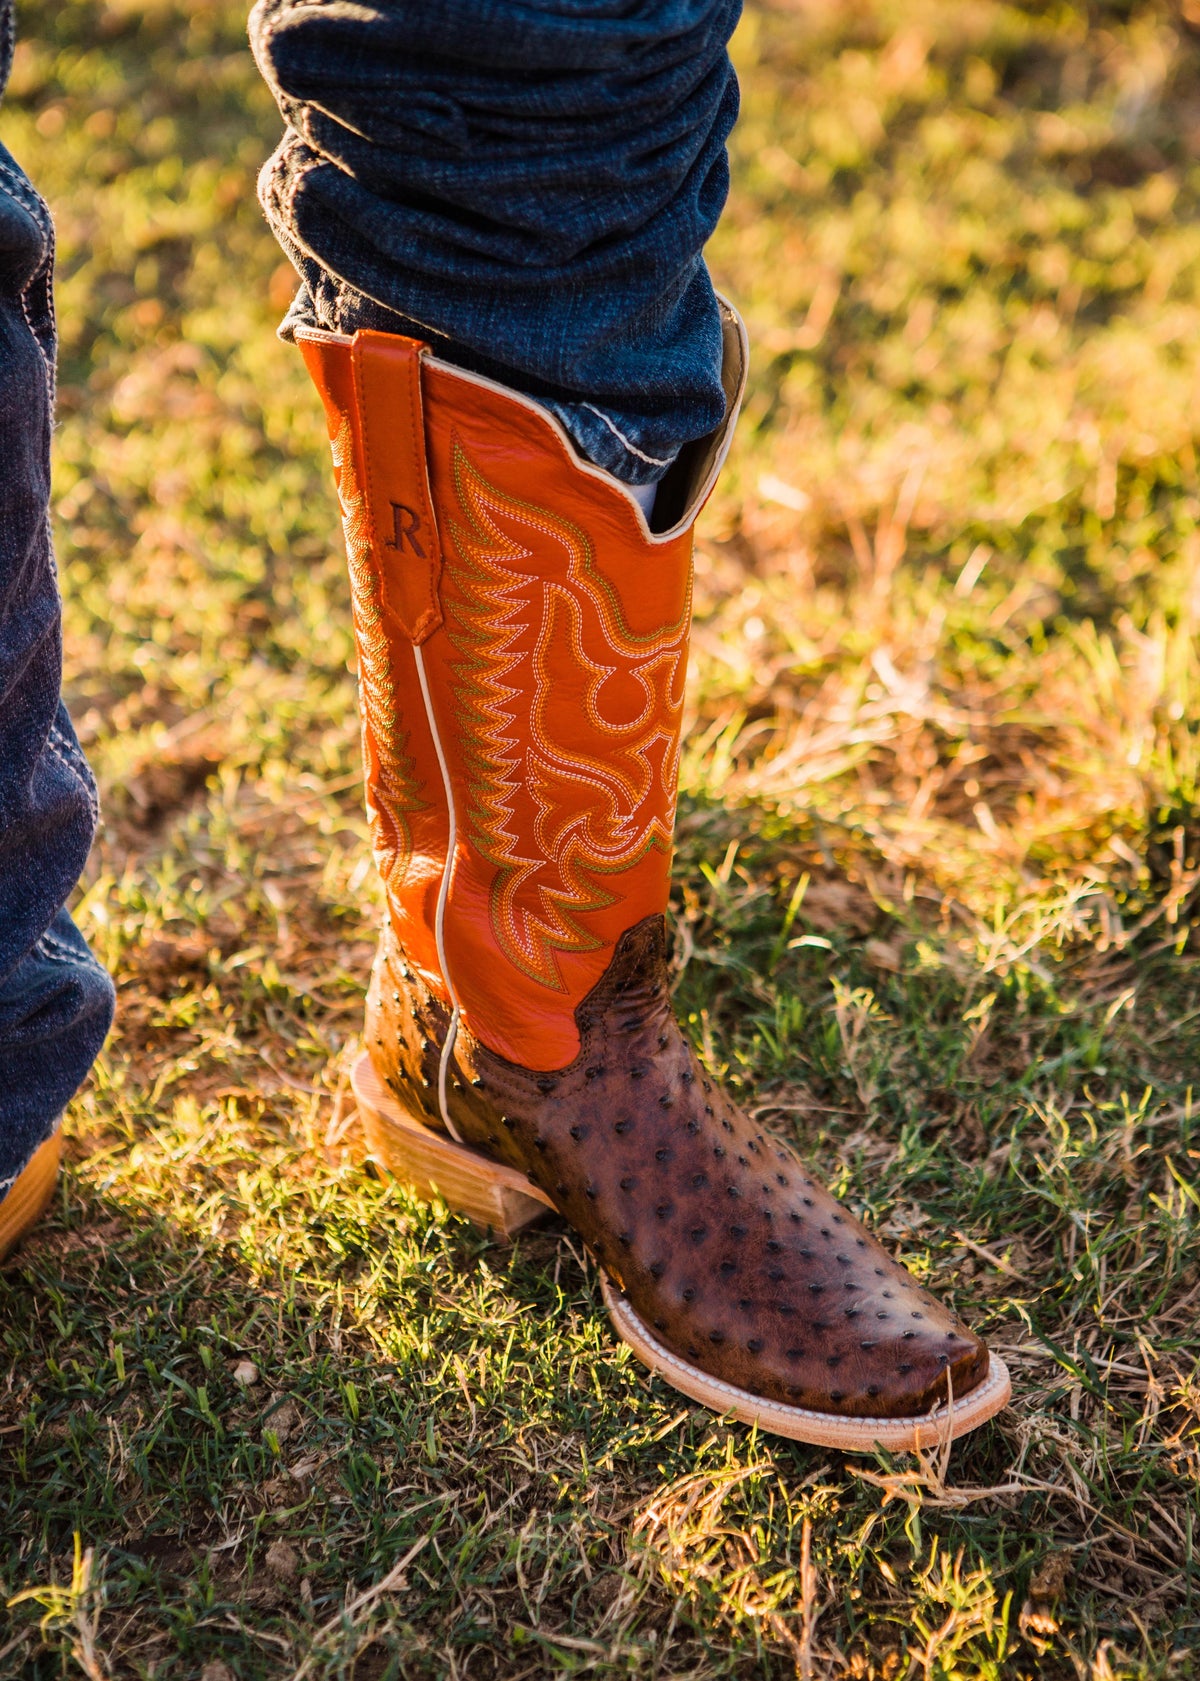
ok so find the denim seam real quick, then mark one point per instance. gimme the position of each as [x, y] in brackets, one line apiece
[32, 203]
[650, 460]
[47, 956]
[73, 753]
[46, 343]
[49, 948]
[26, 196]
[69, 747]
[92, 804]
[23, 300]
[59, 947]
[50, 554]
[56, 749]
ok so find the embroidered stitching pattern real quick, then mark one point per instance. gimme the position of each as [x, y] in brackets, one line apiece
[596, 810]
[391, 782]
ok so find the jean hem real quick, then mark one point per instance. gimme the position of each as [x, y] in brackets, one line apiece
[607, 443]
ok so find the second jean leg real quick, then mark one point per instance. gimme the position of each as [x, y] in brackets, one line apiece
[530, 186]
[56, 1002]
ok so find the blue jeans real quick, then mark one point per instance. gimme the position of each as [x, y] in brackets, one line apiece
[56, 1003]
[528, 183]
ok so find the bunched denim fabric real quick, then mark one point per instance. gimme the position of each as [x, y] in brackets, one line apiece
[56, 1003]
[527, 183]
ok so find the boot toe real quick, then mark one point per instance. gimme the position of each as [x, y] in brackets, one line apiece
[895, 1377]
[909, 1379]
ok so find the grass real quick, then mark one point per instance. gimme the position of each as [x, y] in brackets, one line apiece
[263, 1415]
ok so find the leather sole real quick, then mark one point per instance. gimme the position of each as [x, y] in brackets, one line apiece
[30, 1192]
[503, 1200]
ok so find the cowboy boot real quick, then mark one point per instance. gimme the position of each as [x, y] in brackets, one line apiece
[522, 639]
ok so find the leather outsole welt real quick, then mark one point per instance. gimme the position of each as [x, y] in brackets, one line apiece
[805, 1424]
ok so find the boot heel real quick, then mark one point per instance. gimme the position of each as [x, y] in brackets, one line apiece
[431, 1164]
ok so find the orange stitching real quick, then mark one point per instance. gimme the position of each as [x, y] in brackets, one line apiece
[596, 813]
[392, 786]
[363, 434]
[421, 458]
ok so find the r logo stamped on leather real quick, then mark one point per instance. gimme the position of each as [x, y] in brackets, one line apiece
[407, 525]
[390, 419]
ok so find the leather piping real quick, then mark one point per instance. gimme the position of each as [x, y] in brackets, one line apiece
[729, 318]
[439, 926]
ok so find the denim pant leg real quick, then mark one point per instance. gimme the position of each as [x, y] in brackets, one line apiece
[527, 183]
[56, 1003]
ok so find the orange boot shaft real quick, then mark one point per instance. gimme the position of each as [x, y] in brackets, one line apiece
[523, 641]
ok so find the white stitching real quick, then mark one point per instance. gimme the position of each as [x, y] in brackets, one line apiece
[23, 300]
[71, 751]
[89, 794]
[670, 1361]
[43, 949]
[34, 204]
[578, 460]
[650, 460]
[31, 200]
[60, 948]
[439, 925]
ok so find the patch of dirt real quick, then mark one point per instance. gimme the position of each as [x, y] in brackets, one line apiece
[163, 785]
[167, 1553]
[833, 905]
[168, 958]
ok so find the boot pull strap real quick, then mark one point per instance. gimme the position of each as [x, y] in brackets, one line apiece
[390, 422]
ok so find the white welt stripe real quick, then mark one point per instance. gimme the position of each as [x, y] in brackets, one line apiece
[439, 925]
